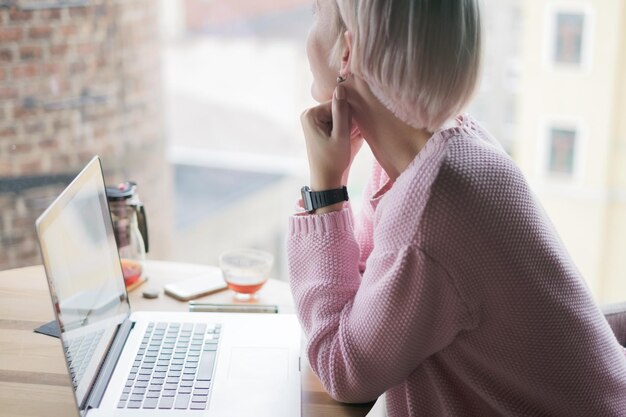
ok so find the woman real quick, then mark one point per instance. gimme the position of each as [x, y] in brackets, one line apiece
[452, 293]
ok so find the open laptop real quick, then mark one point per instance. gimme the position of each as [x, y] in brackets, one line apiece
[154, 363]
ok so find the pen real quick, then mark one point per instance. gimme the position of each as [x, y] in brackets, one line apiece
[195, 306]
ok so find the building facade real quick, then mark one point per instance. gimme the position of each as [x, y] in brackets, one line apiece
[571, 140]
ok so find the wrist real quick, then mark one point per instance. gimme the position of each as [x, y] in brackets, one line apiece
[323, 201]
[345, 176]
[323, 185]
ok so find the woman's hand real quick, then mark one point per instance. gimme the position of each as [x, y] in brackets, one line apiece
[331, 141]
[356, 141]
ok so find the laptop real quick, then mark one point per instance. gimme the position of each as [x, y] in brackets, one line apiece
[124, 363]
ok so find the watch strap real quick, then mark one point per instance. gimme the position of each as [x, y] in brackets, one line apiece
[314, 200]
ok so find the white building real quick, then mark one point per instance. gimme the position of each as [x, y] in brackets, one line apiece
[572, 137]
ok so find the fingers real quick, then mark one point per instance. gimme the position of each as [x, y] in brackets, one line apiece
[355, 133]
[332, 118]
[318, 118]
[340, 115]
[327, 135]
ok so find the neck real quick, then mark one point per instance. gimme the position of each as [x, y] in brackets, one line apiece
[393, 143]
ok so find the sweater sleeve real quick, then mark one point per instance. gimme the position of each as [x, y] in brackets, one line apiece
[367, 334]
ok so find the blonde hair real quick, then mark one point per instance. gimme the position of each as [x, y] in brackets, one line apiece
[420, 58]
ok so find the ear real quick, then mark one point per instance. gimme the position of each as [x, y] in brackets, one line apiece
[346, 55]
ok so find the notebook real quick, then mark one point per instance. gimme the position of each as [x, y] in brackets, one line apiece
[124, 363]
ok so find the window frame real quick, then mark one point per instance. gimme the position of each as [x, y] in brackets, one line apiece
[553, 9]
[545, 144]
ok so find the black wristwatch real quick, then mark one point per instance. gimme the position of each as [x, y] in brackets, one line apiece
[313, 200]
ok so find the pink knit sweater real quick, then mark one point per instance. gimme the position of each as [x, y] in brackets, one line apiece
[453, 294]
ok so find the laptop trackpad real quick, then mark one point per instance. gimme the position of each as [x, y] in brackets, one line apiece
[259, 363]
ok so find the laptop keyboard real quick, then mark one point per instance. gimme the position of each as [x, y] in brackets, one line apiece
[79, 351]
[173, 367]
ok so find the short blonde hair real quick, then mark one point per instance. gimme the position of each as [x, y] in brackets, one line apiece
[420, 58]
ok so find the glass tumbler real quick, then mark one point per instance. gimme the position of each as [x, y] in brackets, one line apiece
[246, 271]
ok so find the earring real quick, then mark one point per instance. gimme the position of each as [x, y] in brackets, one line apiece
[341, 79]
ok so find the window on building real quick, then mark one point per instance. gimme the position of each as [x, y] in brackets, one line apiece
[562, 151]
[568, 48]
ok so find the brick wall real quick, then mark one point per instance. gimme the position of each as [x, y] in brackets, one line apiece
[75, 82]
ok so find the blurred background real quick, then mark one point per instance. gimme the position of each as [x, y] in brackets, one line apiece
[198, 101]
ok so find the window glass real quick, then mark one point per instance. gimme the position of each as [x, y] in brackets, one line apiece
[569, 38]
[199, 101]
[562, 151]
[235, 80]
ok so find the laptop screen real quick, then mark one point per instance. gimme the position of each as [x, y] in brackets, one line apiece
[84, 274]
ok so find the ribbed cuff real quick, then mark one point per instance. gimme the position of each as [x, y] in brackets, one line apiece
[340, 221]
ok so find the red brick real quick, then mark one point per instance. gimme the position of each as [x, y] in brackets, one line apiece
[48, 143]
[85, 48]
[6, 170]
[102, 61]
[10, 34]
[8, 93]
[25, 71]
[16, 15]
[102, 10]
[40, 32]
[20, 112]
[22, 223]
[7, 132]
[4, 258]
[20, 148]
[4, 111]
[61, 161]
[3, 74]
[80, 11]
[33, 89]
[50, 14]
[58, 49]
[69, 30]
[101, 133]
[6, 55]
[77, 67]
[79, 43]
[60, 124]
[29, 168]
[36, 127]
[52, 68]
[7, 202]
[29, 257]
[30, 52]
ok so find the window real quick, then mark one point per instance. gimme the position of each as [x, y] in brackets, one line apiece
[569, 38]
[569, 35]
[198, 101]
[562, 151]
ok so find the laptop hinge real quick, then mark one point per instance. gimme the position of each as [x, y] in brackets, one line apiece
[106, 371]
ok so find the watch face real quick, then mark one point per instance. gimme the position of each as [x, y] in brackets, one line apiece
[306, 199]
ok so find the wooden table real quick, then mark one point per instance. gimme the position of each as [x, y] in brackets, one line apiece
[33, 376]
